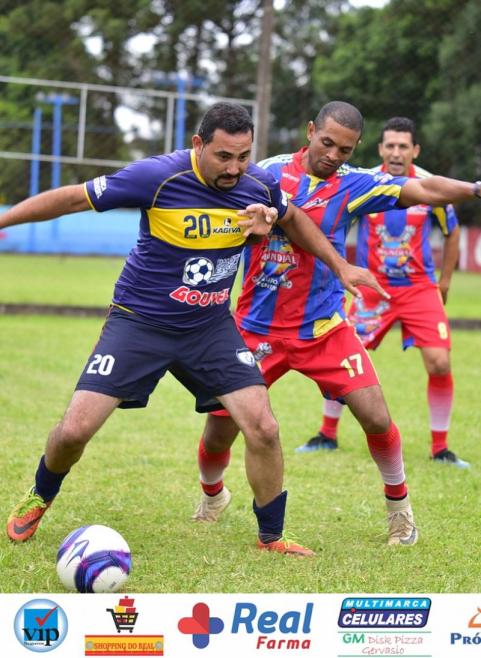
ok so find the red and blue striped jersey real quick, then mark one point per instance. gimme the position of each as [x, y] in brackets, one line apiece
[287, 291]
[395, 245]
[180, 273]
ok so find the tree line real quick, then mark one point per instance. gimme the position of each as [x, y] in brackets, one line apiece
[418, 58]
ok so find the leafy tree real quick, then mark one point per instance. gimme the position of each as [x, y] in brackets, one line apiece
[386, 62]
[453, 125]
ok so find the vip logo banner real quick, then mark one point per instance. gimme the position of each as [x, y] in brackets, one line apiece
[219, 625]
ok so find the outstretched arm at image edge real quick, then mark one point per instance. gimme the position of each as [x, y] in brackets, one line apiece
[47, 205]
[435, 191]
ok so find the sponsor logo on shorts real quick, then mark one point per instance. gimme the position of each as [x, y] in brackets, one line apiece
[262, 350]
[246, 357]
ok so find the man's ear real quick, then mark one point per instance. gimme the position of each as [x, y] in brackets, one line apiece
[197, 143]
[416, 151]
[311, 129]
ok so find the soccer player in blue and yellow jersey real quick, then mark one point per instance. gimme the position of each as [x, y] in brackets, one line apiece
[291, 309]
[395, 246]
[170, 308]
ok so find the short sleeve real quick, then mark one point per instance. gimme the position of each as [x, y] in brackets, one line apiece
[134, 186]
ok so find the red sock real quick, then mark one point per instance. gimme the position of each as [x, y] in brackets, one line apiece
[331, 417]
[440, 402]
[329, 427]
[212, 466]
[386, 451]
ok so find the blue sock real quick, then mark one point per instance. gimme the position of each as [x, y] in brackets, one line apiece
[270, 518]
[47, 483]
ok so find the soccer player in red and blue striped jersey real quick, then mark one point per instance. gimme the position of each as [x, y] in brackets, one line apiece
[394, 245]
[291, 314]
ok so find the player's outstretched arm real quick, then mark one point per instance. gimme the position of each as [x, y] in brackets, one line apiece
[437, 191]
[47, 205]
[259, 219]
[301, 229]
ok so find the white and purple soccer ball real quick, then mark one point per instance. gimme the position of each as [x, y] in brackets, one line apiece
[94, 558]
[198, 271]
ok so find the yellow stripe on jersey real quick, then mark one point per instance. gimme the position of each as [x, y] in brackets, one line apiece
[195, 168]
[442, 217]
[196, 228]
[321, 327]
[313, 183]
[88, 197]
[386, 190]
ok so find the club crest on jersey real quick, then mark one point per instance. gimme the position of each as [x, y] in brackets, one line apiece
[246, 357]
[395, 252]
[277, 259]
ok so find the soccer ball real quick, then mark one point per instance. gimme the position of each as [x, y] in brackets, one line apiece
[94, 558]
[197, 271]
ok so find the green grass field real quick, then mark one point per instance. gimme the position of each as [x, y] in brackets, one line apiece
[139, 473]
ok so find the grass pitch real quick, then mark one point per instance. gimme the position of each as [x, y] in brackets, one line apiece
[139, 474]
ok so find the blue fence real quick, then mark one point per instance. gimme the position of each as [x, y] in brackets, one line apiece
[111, 233]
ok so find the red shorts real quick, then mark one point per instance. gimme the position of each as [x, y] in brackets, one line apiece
[337, 361]
[419, 310]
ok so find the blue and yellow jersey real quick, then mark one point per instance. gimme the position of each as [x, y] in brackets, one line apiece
[395, 245]
[287, 291]
[180, 273]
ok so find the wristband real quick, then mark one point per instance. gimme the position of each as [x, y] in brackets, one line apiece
[477, 189]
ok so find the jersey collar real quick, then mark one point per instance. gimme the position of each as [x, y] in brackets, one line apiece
[195, 167]
[411, 172]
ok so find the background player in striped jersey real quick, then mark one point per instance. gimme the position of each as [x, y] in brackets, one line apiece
[395, 246]
[170, 308]
[291, 309]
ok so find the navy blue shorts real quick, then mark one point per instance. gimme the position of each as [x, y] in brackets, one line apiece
[131, 357]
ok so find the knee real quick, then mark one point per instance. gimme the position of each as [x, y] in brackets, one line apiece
[264, 435]
[377, 422]
[439, 366]
[72, 433]
[219, 433]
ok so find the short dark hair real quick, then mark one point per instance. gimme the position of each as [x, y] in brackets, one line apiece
[343, 113]
[230, 117]
[400, 125]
